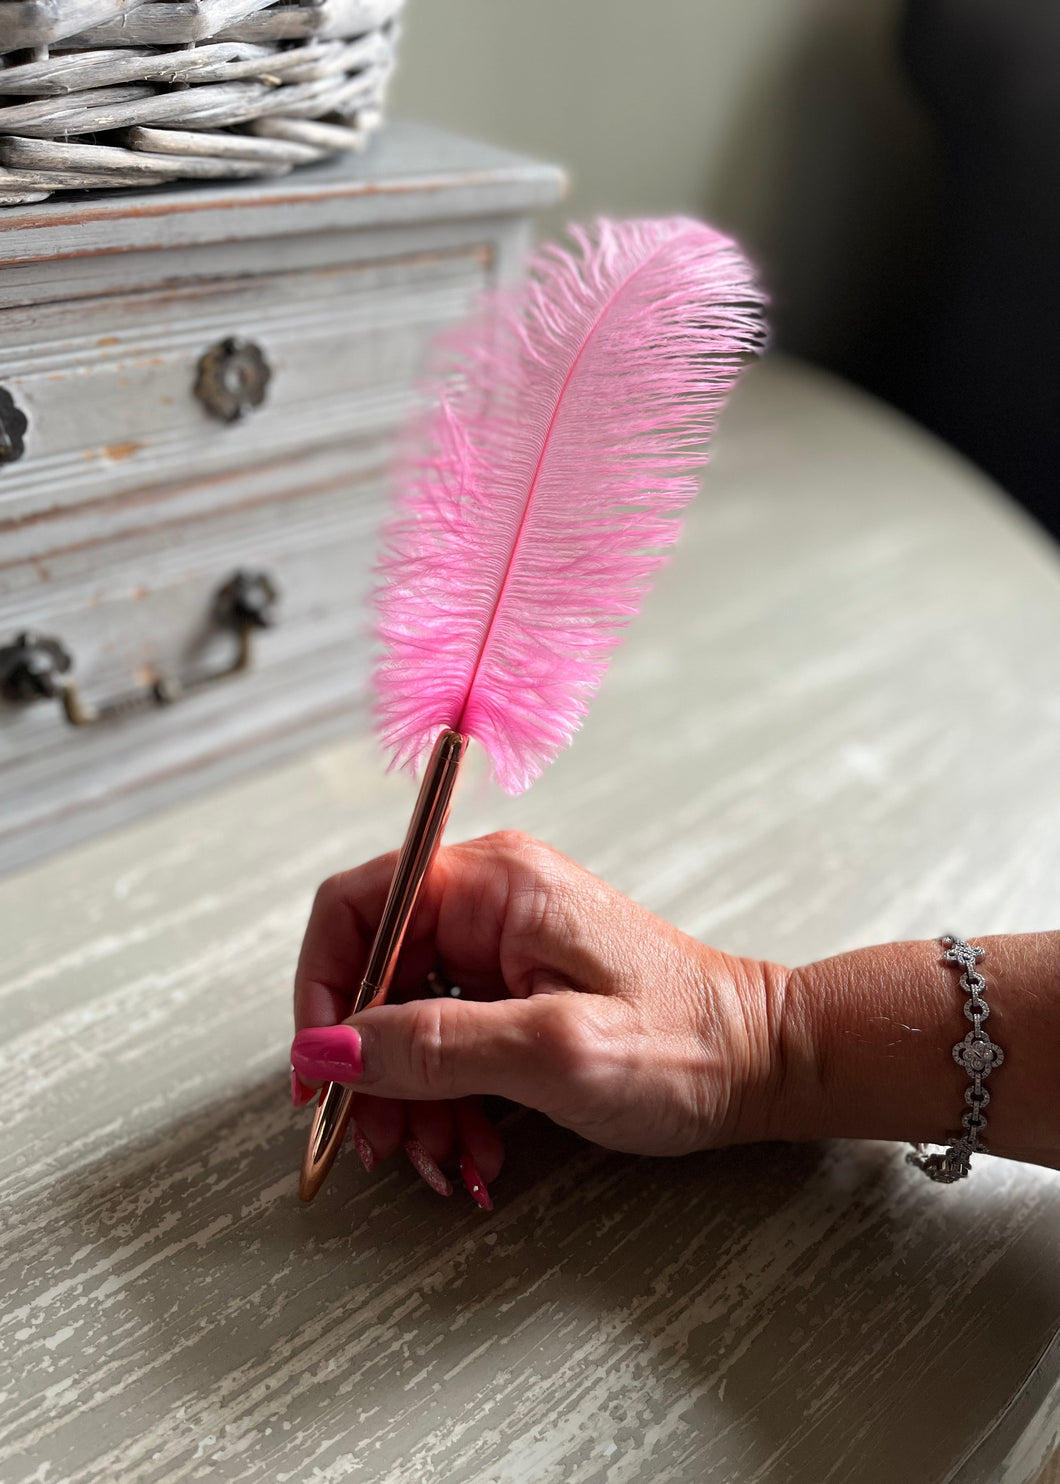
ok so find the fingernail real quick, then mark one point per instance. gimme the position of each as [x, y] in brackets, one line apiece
[300, 1093]
[475, 1183]
[425, 1167]
[329, 1054]
[363, 1148]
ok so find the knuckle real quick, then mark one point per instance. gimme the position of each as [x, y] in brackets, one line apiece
[537, 880]
[516, 845]
[430, 1047]
[327, 894]
[569, 1041]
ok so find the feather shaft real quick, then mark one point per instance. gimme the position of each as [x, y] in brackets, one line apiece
[483, 647]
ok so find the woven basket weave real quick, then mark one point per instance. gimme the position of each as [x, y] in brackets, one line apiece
[98, 94]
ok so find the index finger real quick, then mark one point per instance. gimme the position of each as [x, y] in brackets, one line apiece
[463, 905]
[337, 939]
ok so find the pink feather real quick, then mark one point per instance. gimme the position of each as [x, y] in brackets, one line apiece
[570, 418]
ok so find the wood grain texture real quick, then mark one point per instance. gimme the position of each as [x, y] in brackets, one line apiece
[384, 187]
[783, 761]
[107, 384]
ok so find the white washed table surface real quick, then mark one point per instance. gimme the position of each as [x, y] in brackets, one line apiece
[836, 722]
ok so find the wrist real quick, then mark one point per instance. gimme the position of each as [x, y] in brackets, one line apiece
[761, 1100]
[863, 1044]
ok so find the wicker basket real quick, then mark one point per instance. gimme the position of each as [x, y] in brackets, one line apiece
[98, 94]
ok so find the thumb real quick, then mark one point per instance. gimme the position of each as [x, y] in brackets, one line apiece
[529, 1050]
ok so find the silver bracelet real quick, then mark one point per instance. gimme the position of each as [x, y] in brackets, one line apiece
[978, 1055]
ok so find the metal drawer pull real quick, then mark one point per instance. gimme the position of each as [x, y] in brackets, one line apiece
[35, 666]
[233, 377]
[12, 428]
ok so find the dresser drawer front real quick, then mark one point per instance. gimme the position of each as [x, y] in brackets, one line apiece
[138, 611]
[107, 386]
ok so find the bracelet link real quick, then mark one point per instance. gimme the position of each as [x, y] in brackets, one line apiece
[979, 1056]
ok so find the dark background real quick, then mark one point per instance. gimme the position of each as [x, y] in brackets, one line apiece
[893, 165]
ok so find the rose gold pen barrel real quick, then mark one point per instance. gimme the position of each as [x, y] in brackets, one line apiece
[425, 831]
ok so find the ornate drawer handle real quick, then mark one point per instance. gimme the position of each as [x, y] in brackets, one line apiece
[233, 376]
[13, 426]
[35, 666]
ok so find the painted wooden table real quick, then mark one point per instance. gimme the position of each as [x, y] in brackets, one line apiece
[835, 723]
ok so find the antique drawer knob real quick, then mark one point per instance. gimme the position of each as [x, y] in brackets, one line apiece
[12, 428]
[35, 667]
[233, 378]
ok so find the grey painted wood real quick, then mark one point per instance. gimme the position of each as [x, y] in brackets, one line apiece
[781, 761]
[108, 384]
[132, 505]
[408, 174]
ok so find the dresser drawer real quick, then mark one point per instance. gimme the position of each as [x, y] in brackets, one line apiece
[136, 616]
[116, 391]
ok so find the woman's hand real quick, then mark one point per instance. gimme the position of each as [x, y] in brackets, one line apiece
[574, 1001]
[578, 1002]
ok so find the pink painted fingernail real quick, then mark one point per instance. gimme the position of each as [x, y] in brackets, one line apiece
[300, 1093]
[363, 1148]
[328, 1054]
[475, 1183]
[425, 1167]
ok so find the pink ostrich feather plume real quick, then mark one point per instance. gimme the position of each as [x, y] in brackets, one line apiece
[569, 419]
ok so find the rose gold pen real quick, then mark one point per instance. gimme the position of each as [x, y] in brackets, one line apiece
[332, 1114]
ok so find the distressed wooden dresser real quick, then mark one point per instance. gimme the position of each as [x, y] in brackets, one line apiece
[198, 389]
